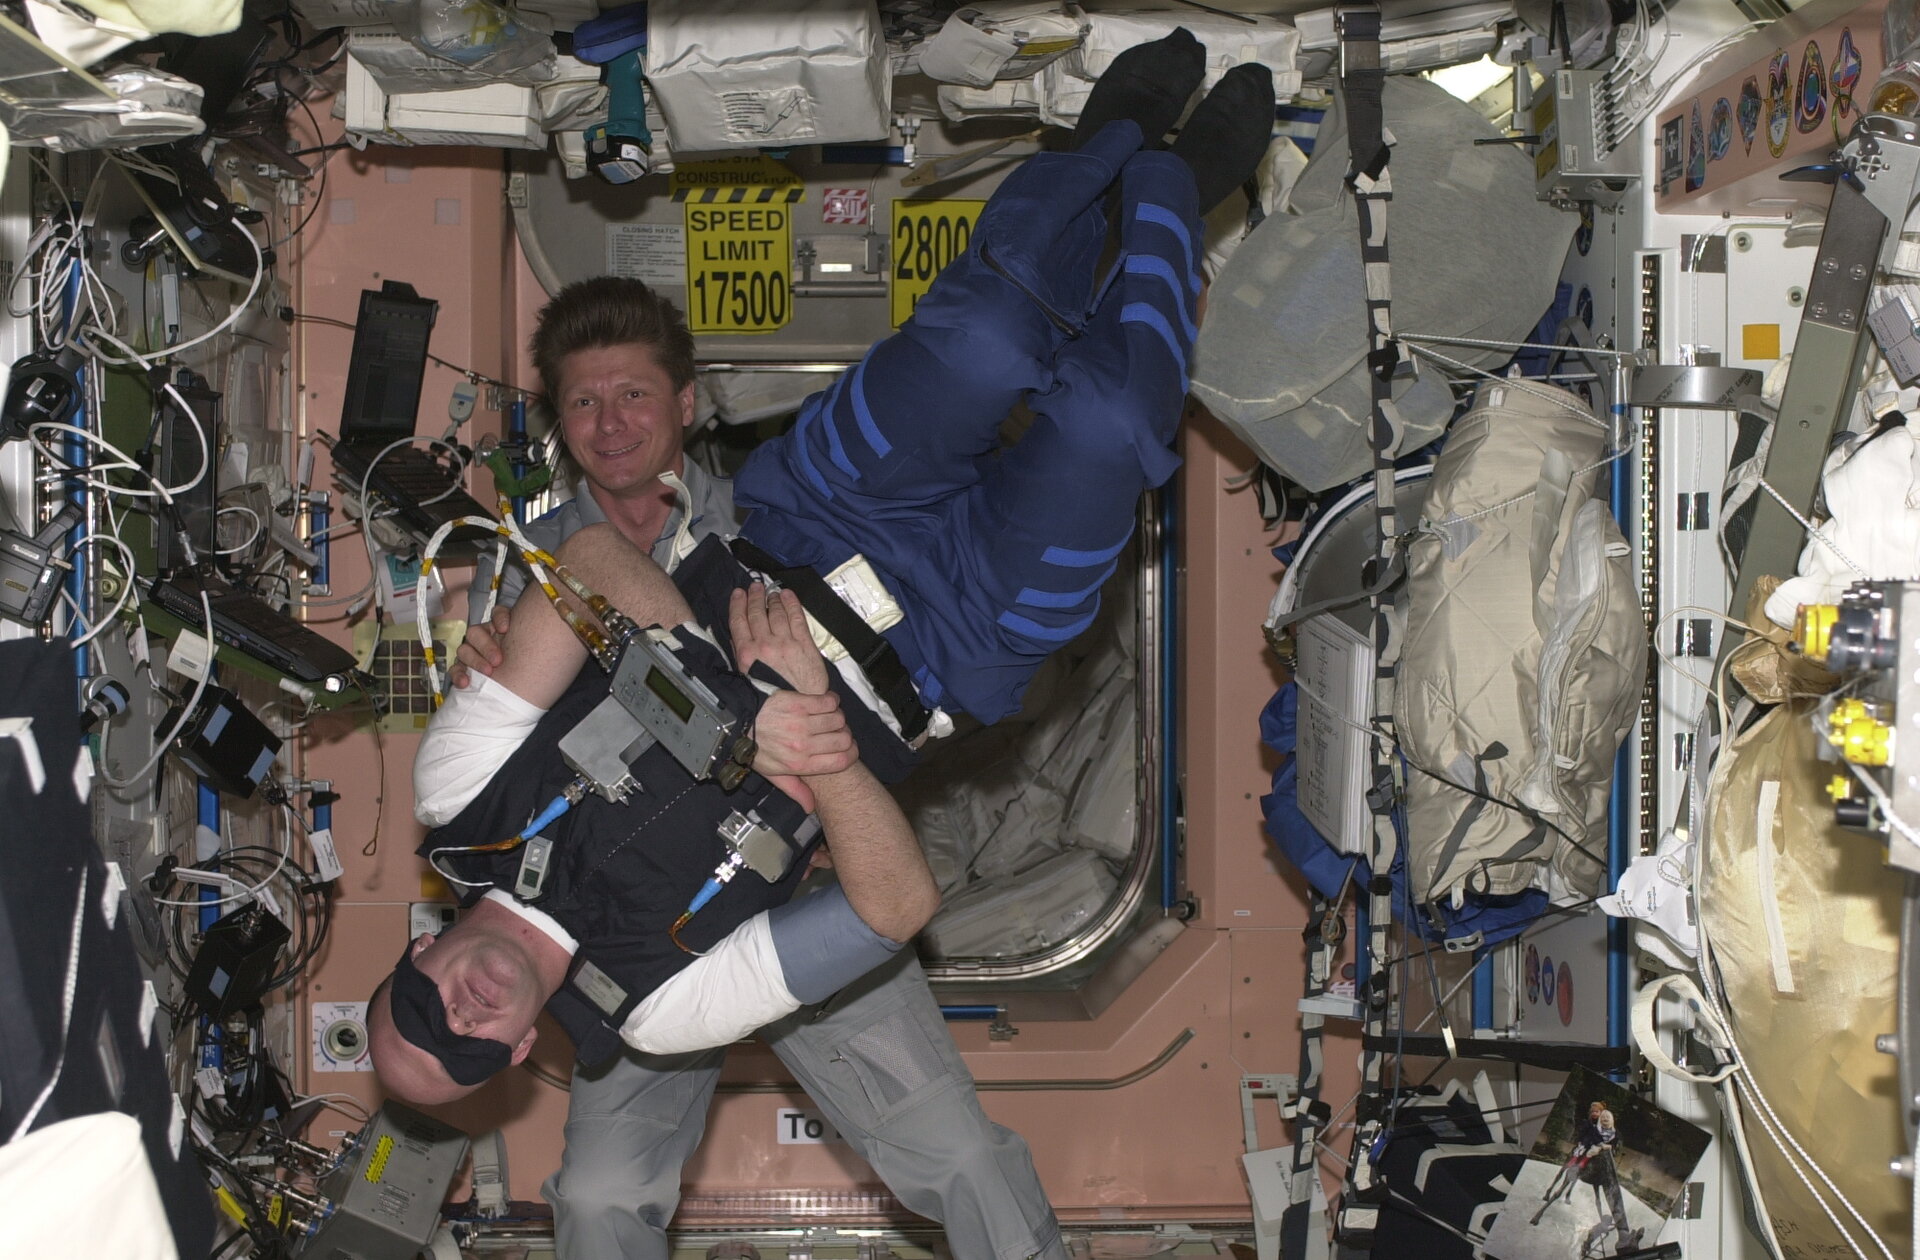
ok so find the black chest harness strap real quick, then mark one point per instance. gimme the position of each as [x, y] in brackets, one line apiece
[867, 646]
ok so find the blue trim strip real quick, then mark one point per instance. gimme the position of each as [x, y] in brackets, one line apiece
[1149, 265]
[1141, 313]
[868, 429]
[806, 460]
[1147, 212]
[969, 1012]
[1033, 598]
[1483, 992]
[1034, 630]
[834, 446]
[1067, 558]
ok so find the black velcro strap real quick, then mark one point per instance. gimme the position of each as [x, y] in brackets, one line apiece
[1361, 80]
[867, 646]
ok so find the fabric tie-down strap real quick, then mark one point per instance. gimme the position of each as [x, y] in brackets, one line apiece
[1361, 83]
[867, 647]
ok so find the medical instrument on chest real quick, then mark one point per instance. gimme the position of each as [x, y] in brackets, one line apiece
[657, 698]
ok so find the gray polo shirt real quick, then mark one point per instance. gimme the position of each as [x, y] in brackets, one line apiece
[713, 513]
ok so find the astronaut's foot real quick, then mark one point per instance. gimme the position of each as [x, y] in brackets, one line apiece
[1150, 83]
[1229, 132]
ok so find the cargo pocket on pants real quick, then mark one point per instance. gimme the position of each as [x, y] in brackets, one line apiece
[897, 1063]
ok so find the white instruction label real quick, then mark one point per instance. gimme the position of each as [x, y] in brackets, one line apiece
[653, 252]
[325, 860]
[803, 1126]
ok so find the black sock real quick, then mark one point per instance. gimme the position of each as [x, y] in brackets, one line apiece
[1229, 132]
[1150, 83]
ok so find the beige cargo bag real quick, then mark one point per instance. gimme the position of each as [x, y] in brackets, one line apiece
[1525, 650]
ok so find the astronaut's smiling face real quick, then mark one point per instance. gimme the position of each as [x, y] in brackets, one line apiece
[622, 416]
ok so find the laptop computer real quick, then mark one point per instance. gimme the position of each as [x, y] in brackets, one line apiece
[241, 619]
[382, 407]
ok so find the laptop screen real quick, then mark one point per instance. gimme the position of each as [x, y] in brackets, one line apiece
[389, 362]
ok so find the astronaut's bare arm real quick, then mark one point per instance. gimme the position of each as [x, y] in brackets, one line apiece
[875, 852]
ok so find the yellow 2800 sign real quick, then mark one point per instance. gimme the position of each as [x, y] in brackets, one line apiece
[927, 235]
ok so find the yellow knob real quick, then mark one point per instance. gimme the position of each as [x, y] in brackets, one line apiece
[1861, 738]
[1813, 629]
[1839, 788]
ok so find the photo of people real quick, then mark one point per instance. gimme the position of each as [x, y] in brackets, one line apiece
[1601, 1179]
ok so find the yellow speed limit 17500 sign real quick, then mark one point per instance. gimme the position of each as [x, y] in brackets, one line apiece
[739, 259]
[927, 235]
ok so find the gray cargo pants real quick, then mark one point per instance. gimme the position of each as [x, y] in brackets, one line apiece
[878, 1061]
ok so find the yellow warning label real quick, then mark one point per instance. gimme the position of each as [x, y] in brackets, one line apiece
[229, 1204]
[739, 259]
[277, 1209]
[752, 177]
[1047, 47]
[377, 1166]
[1547, 127]
[927, 235]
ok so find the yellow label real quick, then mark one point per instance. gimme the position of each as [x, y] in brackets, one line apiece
[377, 1166]
[277, 1209]
[754, 169]
[1546, 126]
[229, 1205]
[1047, 47]
[739, 260]
[927, 235]
[1759, 341]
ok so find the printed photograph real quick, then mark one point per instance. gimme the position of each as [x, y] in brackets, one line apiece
[1605, 1174]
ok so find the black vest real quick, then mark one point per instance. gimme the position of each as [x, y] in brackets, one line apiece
[621, 874]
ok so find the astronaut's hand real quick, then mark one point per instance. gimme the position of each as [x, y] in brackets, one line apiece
[484, 649]
[799, 734]
[774, 629]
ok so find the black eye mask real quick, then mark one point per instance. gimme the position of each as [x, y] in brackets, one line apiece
[421, 1018]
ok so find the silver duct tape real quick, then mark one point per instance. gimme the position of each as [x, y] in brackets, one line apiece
[1703, 387]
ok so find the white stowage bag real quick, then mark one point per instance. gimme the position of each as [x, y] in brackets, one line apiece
[744, 74]
[1281, 359]
[1059, 92]
[1872, 488]
[1523, 655]
[1046, 905]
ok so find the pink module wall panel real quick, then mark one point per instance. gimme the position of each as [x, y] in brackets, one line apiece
[1167, 1146]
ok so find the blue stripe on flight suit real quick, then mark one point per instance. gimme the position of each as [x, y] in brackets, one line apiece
[868, 429]
[1147, 212]
[1034, 630]
[1149, 265]
[1067, 558]
[1034, 598]
[807, 415]
[1142, 313]
[834, 446]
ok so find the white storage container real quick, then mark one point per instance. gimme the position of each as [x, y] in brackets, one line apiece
[495, 115]
[741, 74]
[1044, 906]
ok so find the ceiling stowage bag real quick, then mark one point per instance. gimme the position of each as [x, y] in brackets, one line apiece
[744, 74]
[1523, 654]
[1280, 357]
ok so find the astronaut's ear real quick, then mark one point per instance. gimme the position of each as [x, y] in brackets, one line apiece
[521, 1050]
